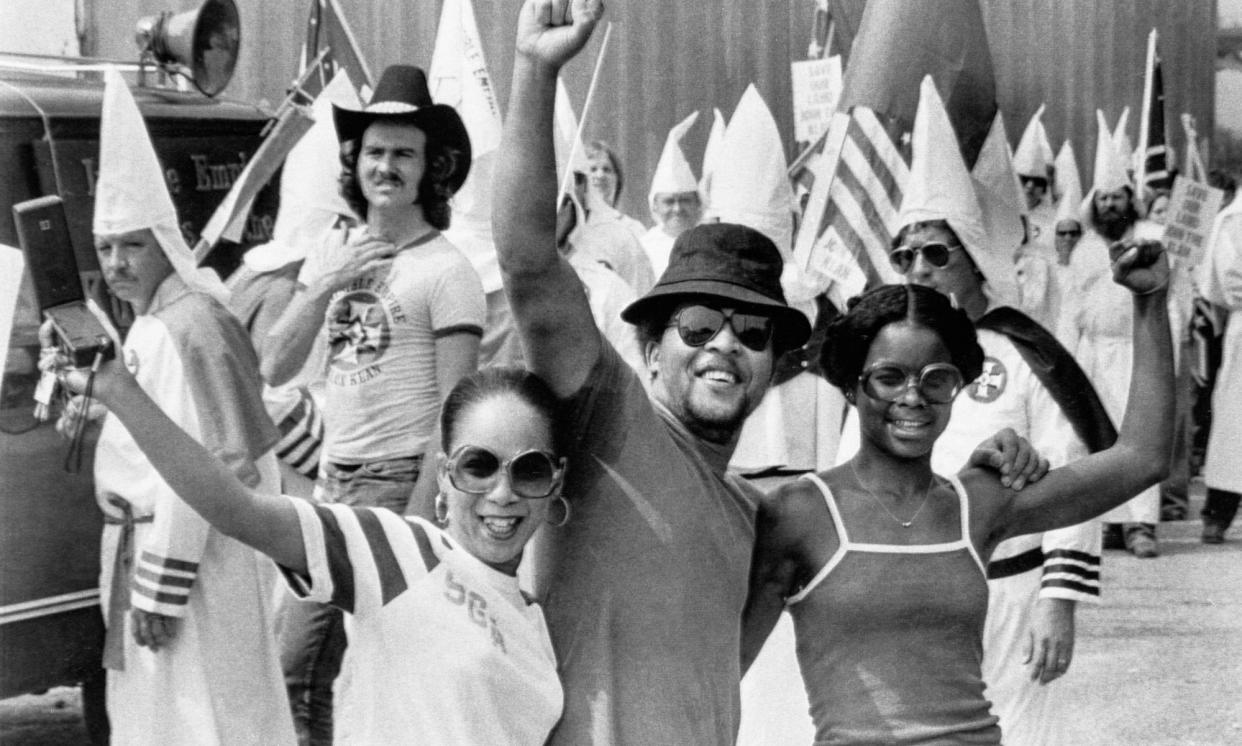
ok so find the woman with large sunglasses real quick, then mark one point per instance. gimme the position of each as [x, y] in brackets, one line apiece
[881, 562]
[443, 645]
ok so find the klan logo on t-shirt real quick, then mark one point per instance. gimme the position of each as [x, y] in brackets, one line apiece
[358, 330]
[991, 383]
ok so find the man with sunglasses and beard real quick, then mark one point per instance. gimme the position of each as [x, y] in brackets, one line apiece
[643, 588]
[1095, 325]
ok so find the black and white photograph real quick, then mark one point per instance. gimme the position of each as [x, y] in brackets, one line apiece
[620, 372]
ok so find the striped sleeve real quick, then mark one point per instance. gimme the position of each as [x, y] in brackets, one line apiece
[359, 559]
[1072, 563]
[161, 585]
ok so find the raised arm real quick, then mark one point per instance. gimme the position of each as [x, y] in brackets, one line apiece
[268, 523]
[1140, 457]
[550, 309]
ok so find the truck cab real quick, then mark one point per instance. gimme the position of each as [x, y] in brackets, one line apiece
[51, 628]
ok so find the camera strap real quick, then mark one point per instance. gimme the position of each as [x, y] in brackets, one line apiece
[73, 457]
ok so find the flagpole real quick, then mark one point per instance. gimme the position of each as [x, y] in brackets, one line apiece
[353, 43]
[1140, 171]
[586, 108]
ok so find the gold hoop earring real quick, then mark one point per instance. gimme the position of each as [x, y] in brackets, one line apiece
[564, 518]
[441, 510]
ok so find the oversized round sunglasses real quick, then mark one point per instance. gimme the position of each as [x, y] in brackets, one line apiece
[935, 253]
[476, 470]
[938, 383]
[698, 324]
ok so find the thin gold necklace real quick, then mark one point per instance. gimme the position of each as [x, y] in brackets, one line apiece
[904, 524]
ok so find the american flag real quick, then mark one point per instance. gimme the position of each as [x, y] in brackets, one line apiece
[860, 197]
[851, 216]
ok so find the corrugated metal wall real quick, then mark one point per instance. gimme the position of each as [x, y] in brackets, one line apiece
[667, 59]
[1079, 56]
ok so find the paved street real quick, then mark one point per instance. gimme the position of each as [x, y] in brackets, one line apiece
[1159, 663]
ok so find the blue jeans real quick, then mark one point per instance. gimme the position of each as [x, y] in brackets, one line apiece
[312, 636]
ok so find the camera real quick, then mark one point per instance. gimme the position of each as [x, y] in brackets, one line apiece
[44, 235]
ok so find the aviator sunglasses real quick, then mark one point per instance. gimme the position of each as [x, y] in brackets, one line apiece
[938, 383]
[698, 324]
[476, 470]
[936, 254]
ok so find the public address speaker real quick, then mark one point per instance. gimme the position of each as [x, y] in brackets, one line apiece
[199, 44]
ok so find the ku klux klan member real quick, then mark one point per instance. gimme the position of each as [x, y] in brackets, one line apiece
[798, 423]
[675, 202]
[190, 649]
[1096, 321]
[1033, 162]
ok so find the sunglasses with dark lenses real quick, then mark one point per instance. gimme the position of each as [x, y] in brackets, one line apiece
[936, 254]
[475, 470]
[938, 383]
[1069, 233]
[698, 324]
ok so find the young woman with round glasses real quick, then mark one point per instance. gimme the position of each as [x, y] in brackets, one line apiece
[881, 562]
[443, 645]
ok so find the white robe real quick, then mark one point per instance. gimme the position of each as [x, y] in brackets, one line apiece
[219, 680]
[1221, 283]
[1096, 325]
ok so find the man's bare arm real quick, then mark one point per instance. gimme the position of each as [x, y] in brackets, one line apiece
[550, 309]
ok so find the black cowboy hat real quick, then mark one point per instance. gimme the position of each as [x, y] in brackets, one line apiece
[402, 95]
[734, 264]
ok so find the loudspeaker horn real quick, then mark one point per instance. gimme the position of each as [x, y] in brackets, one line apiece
[200, 44]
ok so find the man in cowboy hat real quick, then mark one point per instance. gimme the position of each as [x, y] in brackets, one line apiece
[400, 311]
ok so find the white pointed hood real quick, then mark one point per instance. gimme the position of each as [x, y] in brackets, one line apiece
[751, 188]
[1001, 197]
[1121, 138]
[712, 154]
[940, 188]
[131, 194]
[673, 174]
[1110, 167]
[1068, 184]
[1034, 154]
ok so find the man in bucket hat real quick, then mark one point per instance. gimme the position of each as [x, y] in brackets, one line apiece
[644, 587]
[400, 311]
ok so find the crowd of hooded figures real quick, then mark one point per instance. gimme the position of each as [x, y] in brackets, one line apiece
[507, 506]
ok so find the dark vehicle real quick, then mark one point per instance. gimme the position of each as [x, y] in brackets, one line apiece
[51, 629]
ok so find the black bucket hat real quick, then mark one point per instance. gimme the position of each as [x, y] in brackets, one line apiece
[730, 262]
[402, 95]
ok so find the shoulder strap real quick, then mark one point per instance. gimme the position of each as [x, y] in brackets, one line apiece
[843, 542]
[832, 507]
[964, 511]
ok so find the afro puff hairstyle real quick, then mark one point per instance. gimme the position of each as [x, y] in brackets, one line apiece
[850, 335]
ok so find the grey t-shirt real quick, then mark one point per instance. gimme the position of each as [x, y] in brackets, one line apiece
[646, 583]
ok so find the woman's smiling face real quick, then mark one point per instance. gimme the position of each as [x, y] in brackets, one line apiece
[495, 526]
[909, 426]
